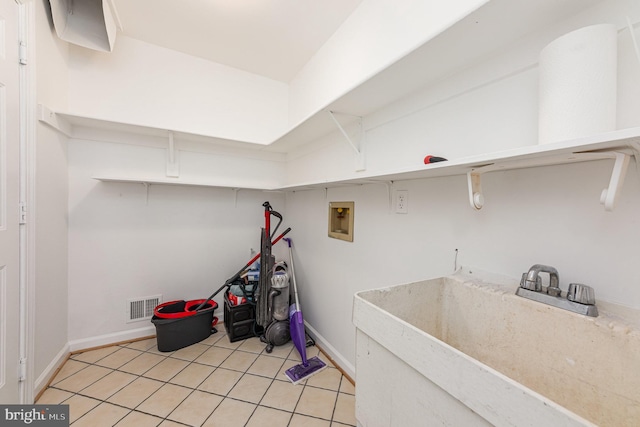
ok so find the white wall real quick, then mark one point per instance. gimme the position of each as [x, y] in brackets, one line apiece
[148, 85]
[181, 242]
[49, 214]
[545, 215]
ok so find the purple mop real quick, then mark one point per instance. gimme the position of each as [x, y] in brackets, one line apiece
[310, 366]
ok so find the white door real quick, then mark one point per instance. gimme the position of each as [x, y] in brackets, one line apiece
[9, 202]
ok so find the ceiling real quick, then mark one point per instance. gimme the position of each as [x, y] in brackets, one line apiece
[272, 38]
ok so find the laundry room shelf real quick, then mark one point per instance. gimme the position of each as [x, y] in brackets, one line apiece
[176, 181]
[618, 145]
[596, 147]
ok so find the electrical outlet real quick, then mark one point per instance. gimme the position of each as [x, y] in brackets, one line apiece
[402, 201]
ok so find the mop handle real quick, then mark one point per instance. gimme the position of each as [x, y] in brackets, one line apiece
[235, 276]
[293, 273]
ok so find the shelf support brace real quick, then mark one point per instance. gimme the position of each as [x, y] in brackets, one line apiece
[173, 167]
[476, 197]
[146, 193]
[610, 195]
[235, 197]
[359, 147]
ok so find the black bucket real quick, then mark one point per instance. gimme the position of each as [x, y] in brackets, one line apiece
[178, 325]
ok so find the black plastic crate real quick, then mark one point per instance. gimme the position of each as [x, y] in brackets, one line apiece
[239, 320]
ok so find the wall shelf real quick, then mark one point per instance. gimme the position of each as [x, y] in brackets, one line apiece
[611, 145]
[176, 181]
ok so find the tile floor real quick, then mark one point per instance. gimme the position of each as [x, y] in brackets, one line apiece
[211, 383]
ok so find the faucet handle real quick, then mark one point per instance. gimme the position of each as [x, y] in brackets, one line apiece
[530, 285]
[581, 294]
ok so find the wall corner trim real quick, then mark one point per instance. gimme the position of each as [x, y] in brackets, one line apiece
[46, 376]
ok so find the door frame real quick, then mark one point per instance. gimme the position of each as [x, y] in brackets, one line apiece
[28, 105]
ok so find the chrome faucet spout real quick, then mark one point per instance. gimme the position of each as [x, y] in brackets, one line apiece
[579, 299]
[554, 279]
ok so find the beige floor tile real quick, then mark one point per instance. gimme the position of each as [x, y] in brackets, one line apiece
[142, 363]
[69, 368]
[282, 351]
[268, 417]
[83, 378]
[93, 356]
[136, 392]
[104, 415]
[193, 375]
[118, 358]
[326, 360]
[52, 396]
[317, 402]
[169, 423]
[80, 405]
[303, 421]
[266, 366]
[347, 387]
[345, 411]
[143, 345]
[196, 408]
[311, 352]
[213, 338]
[216, 369]
[138, 419]
[281, 395]
[214, 356]
[250, 388]
[328, 378]
[191, 352]
[154, 350]
[230, 413]
[221, 381]
[239, 361]
[252, 345]
[166, 369]
[225, 343]
[165, 400]
[108, 385]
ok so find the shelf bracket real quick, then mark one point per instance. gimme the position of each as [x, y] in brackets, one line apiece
[609, 195]
[389, 185]
[476, 197]
[146, 193]
[235, 197]
[173, 167]
[48, 117]
[359, 147]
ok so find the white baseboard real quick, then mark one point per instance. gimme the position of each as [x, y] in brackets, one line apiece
[337, 357]
[112, 338]
[43, 380]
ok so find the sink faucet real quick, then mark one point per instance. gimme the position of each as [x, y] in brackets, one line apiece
[554, 280]
[579, 299]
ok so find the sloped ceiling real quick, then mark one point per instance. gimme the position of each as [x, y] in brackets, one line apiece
[272, 38]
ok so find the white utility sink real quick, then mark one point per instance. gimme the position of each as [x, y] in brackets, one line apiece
[465, 350]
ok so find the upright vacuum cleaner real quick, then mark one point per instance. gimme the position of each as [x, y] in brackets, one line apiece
[310, 366]
[262, 256]
[273, 289]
